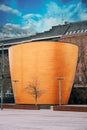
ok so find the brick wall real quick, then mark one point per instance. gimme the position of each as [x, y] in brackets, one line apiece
[81, 71]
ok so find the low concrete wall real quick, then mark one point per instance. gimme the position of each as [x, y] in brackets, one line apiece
[13, 106]
[71, 108]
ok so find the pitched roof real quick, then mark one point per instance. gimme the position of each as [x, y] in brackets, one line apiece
[53, 34]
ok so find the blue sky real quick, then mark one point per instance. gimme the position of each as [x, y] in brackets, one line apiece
[27, 17]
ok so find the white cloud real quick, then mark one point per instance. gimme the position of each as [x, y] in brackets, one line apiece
[31, 26]
[53, 10]
[27, 16]
[54, 15]
[11, 26]
[83, 15]
[8, 9]
[45, 22]
[75, 12]
[13, 30]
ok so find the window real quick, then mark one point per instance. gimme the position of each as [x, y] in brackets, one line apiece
[74, 32]
[78, 31]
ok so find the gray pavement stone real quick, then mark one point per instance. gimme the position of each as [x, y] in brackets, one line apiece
[12, 119]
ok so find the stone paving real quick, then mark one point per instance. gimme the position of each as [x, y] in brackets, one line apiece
[14, 119]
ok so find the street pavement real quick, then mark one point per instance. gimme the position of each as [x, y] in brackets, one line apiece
[14, 119]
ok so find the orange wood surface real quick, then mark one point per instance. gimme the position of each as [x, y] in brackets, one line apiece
[43, 61]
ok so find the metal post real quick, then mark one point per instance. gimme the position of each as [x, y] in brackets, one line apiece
[15, 82]
[2, 71]
[62, 19]
[60, 90]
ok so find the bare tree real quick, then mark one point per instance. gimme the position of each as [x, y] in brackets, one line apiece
[34, 90]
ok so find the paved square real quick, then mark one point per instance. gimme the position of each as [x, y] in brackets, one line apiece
[12, 119]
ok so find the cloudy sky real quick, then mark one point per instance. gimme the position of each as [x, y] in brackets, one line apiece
[27, 17]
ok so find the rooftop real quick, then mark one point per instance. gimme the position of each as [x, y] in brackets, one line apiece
[55, 33]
